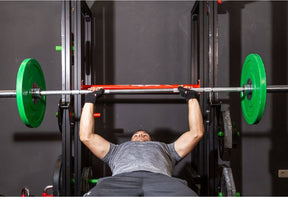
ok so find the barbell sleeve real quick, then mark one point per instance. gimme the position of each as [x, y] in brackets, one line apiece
[277, 88]
[7, 93]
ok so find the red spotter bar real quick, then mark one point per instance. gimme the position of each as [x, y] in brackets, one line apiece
[137, 87]
[97, 115]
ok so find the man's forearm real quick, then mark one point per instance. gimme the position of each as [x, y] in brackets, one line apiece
[97, 144]
[195, 118]
[188, 140]
[87, 122]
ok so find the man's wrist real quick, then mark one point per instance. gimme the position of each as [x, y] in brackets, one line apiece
[93, 96]
[191, 100]
[188, 93]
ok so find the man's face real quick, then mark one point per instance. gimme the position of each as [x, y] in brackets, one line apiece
[141, 136]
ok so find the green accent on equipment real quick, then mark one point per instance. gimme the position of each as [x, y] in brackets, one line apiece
[253, 74]
[220, 134]
[31, 110]
[59, 48]
[93, 181]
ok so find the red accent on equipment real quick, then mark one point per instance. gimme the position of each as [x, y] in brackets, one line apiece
[130, 87]
[96, 115]
[45, 194]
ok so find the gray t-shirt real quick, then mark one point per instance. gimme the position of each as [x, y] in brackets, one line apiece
[150, 156]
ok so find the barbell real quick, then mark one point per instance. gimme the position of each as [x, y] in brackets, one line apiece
[31, 90]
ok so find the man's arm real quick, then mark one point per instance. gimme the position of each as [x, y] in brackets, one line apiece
[97, 144]
[187, 141]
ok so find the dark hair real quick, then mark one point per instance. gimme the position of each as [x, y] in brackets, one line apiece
[142, 130]
[152, 139]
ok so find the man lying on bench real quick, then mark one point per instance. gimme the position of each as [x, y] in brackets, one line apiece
[141, 167]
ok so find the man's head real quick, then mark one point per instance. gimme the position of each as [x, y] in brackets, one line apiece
[141, 136]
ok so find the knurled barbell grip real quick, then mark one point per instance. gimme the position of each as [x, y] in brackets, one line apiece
[141, 91]
[270, 89]
[117, 91]
[148, 91]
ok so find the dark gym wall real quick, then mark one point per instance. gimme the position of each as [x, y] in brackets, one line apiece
[257, 27]
[148, 42]
[28, 29]
[145, 42]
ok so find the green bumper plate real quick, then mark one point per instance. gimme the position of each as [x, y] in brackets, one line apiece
[253, 105]
[29, 76]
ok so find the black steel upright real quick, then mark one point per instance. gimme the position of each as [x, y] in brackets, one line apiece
[77, 99]
[75, 33]
[82, 53]
[66, 84]
[205, 66]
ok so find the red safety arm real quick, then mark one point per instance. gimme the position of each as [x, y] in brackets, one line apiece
[126, 87]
